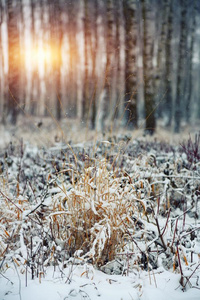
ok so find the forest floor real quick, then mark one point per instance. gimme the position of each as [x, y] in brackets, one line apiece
[91, 216]
[46, 132]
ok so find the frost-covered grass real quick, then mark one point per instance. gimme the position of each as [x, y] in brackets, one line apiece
[126, 207]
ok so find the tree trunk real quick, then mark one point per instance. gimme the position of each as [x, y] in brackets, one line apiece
[148, 69]
[100, 72]
[1, 67]
[111, 68]
[106, 95]
[87, 38]
[34, 76]
[57, 43]
[22, 59]
[130, 10]
[94, 75]
[120, 46]
[72, 84]
[13, 61]
[180, 68]
[190, 63]
[160, 88]
[169, 65]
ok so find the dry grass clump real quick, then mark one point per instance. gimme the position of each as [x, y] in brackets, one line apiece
[94, 215]
[93, 218]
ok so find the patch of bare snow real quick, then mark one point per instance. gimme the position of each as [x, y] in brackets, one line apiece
[93, 285]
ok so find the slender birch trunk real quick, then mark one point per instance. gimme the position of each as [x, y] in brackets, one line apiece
[180, 68]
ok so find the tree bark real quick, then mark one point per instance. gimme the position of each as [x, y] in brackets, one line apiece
[180, 68]
[109, 71]
[160, 88]
[87, 38]
[120, 46]
[57, 43]
[34, 76]
[94, 75]
[130, 10]
[72, 8]
[1, 67]
[13, 61]
[190, 63]
[169, 65]
[150, 119]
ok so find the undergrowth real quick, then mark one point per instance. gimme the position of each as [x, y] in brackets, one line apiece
[113, 201]
[192, 150]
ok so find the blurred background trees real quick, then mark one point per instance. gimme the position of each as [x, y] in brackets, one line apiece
[105, 63]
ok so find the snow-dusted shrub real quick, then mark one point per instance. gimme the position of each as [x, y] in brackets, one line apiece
[94, 215]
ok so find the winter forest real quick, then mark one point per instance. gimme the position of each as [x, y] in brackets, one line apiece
[99, 149]
[101, 62]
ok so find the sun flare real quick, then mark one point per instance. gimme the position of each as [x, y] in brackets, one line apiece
[40, 55]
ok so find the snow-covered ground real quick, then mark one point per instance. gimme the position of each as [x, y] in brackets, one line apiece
[160, 284]
[64, 207]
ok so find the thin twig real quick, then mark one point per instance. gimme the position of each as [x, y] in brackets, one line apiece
[166, 221]
[18, 278]
[174, 232]
[6, 278]
[197, 228]
[180, 266]
[188, 278]
[160, 234]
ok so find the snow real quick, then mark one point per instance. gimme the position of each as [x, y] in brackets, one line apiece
[143, 186]
[98, 286]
